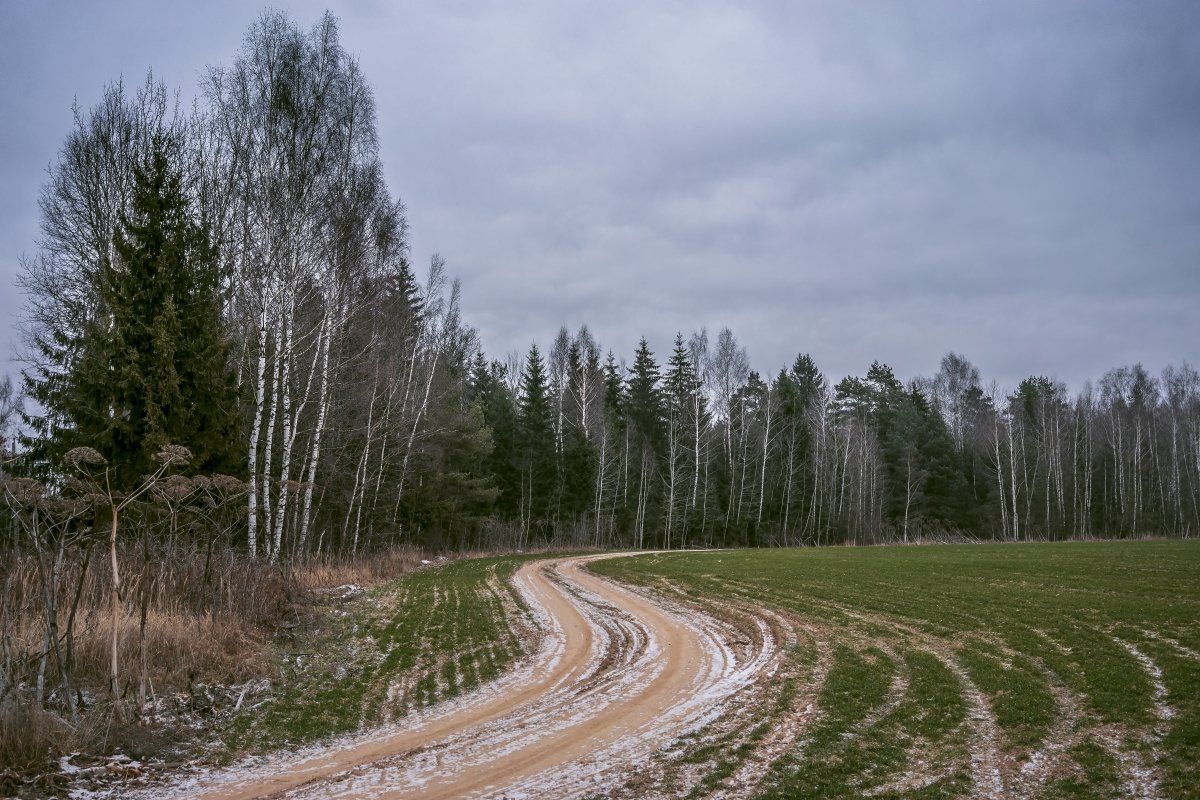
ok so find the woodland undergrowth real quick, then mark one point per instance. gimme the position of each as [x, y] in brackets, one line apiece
[202, 631]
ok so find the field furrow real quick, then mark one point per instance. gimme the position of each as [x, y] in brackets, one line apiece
[1049, 671]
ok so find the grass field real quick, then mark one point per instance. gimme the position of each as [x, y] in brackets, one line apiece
[1039, 670]
[408, 644]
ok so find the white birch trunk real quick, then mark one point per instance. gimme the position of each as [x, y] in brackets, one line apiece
[762, 486]
[314, 455]
[366, 458]
[288, 435]
[252, 458]
[269, 455]
[696, 444]
[1012, 462]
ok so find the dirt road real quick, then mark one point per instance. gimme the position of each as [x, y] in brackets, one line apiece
[616, 675]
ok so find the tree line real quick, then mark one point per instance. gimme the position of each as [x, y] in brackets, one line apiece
[705, 451]
[235, 278]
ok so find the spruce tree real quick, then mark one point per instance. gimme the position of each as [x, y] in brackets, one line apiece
[500, 415]
[457, 491]
[802, 389]
[644, 399]
[614, 494]
[614, 390]
[577, 474]
[681, 389]
[926, 487]
[537, 445]
[947, 493]
[154, 363]
[647, 420]
[681, 383]
[578, 459]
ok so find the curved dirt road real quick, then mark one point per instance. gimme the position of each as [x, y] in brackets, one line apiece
[617, 675]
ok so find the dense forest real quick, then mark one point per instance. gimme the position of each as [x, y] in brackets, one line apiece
[236, 280]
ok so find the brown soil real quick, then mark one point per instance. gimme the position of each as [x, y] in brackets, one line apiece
[616, 675]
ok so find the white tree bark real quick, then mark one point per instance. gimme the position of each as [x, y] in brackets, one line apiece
[314, 457]
[256, 427]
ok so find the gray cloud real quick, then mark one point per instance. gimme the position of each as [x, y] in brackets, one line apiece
[1014, 181]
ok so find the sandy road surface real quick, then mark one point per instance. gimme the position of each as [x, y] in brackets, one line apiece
[615, 676]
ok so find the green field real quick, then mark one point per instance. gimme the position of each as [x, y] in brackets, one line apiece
[1026, 670]
[406, 645]
[1045, 670]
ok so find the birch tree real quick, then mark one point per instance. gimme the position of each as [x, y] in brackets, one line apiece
[307, 220]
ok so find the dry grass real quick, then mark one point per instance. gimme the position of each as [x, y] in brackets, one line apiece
[180, 649]
[324, 571]
[202, 616]
[204, 611]
[29, 736]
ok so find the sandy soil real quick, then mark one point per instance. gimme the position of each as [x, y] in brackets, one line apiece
[616, 676]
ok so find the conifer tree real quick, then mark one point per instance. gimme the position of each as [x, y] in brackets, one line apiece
[577, 475]
[537, 445]
[681, 388]
[644, 400]
[925, 484]
[611, 472]
[500, 415]
[680, 382]
[578, 457]
[457, 491]
[154, 369]
[947, 492]
[647, 421]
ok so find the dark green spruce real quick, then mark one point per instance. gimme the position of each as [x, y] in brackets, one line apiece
[153, 366]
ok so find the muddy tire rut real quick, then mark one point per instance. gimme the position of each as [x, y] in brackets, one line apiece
[613, 676]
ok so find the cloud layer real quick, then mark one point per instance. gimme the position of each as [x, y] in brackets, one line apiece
[1014, 181]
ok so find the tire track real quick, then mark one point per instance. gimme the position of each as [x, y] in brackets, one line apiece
[984, 740]
[615, 674]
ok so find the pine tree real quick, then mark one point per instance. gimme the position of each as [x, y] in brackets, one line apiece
[887, 393]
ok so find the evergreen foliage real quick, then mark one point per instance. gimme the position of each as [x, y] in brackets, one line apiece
[500, 416]
[153, 366]
[643, 396]
[536, 445]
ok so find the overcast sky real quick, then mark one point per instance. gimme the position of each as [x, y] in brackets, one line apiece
[1018, 182]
